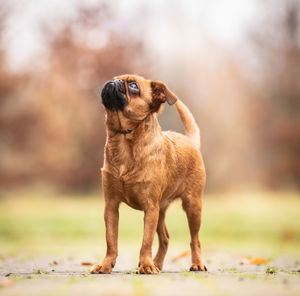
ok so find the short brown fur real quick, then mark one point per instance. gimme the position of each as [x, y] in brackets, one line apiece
[148, 169]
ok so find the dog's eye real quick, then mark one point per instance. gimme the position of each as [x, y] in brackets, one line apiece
[133, 85]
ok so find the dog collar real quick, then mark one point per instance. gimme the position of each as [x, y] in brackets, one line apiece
[123, 132]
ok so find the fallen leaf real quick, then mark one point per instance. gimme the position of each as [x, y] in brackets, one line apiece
[254, 261]
[6, 282]
[87, 263]
[182, 255]
[55, 262]
[258, 261]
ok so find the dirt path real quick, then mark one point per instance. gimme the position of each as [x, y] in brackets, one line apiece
[226, 276]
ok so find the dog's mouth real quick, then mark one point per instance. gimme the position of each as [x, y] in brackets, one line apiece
[114, 95]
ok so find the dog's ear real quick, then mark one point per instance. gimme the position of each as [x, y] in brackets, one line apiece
[161, 94]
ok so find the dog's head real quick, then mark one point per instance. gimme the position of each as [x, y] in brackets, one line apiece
[135, 97]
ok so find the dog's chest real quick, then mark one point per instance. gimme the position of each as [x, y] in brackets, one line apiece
[133, 165]
[136, 195]
[135, 188]
[129, 173]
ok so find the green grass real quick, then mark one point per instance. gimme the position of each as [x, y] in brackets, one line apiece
[42, 223]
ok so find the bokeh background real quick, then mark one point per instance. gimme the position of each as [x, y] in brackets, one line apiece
[236, 64]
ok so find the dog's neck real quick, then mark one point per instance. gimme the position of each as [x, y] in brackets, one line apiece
[124, 150]
[118, 127]
[146, 129]
[122, 132]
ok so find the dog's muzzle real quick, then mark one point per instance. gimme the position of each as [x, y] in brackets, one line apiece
[114, 95]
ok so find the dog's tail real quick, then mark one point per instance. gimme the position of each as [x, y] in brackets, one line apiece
[191, 129]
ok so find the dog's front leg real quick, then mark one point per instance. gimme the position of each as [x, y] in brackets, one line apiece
[146, 264]
[111, 217]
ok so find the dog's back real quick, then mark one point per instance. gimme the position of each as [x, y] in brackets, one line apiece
[184, 161]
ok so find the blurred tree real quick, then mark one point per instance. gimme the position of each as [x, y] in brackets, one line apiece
[16, 120]
[60, 136]
[276, 108]
[51, 119]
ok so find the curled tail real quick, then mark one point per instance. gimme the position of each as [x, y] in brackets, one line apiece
[191, 129]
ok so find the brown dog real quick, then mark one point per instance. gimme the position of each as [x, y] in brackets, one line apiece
[147, 168]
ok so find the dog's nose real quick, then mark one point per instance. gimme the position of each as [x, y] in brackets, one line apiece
[109, 86]
[110, 82]
[119, 83]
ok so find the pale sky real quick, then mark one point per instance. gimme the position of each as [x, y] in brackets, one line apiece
[224, 21]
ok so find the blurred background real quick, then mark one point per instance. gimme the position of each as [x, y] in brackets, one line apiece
[236, 64]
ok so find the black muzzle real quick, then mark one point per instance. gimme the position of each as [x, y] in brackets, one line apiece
[114, 95]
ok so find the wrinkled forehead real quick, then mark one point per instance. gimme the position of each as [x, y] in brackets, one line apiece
[130, 78]
[144, 84]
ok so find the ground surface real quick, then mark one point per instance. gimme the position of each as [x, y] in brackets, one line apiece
[45, 240]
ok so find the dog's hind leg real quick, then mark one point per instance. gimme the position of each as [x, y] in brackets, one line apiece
[163, 238]
[192, 206]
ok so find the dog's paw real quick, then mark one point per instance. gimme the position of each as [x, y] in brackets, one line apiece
[158, 264]
[198, 267]
[148, 269]
[97, 268]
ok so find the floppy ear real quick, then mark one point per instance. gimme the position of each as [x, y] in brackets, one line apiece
[161, 94]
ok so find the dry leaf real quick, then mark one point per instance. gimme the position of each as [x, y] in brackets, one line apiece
[55, 262]
[87, 263]
[258, 261]
[6, 282]
[254, 261]
[182, 255]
